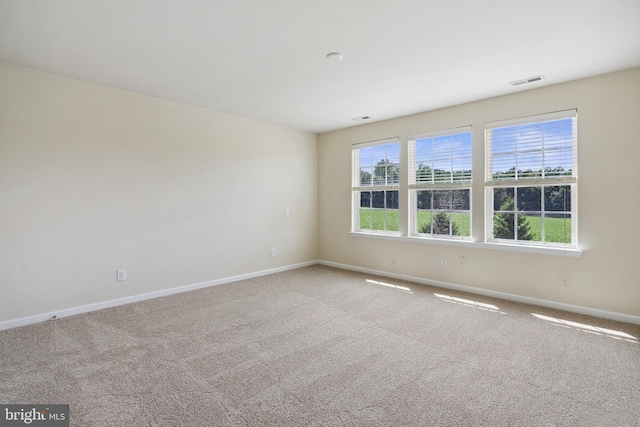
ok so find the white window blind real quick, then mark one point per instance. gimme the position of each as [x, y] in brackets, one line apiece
[440, 159]
[375, 184]
[539, 149]
[531, 179]
[440, 175]
[376, 165]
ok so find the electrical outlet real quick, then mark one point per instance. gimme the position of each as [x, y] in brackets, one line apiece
[286, 211]
[121, 276]
[273, 251]
[443, 263]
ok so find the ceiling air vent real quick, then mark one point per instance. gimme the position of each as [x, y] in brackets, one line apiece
[527, 80]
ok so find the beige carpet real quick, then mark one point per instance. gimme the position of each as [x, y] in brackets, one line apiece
[325, 347]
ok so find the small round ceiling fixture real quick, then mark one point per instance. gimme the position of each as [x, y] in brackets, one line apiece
[334, 56]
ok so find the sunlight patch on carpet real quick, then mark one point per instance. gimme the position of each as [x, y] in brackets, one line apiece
[469, 303]
[389, 285]
[619, 335]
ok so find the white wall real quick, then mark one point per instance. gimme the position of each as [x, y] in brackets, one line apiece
[93, 179]
[606, 277]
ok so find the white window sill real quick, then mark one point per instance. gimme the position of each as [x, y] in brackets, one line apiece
[499, 246]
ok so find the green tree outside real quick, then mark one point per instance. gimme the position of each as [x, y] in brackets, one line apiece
[503, 223]
[386, 173]
[441, 225]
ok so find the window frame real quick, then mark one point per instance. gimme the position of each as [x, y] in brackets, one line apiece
[481, 203]
[357, 188]
[414, 186]
[563, 180]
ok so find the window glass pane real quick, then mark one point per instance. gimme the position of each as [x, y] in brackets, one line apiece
[533, 224]
[385, 172]
[557, 198]
[529, 199]
[534, 150]
[424, 222]
[379, 165]
[504, 140]
[529, 164]
[366, 157]
[559, 144]
[460, 200]
[442, 199]
[503, 199]
[423, 199]
[462, 159]
[391, 213]
[558, 164]
[377, 199]
[441, 223]
[379, 153]
[383, 213]
[392, 174]
[503, 226]
[365, 199]
[461, 169]
[365, 210]
[365, 219]
[424, 150]
[441, 175]
[366, 176]
[445, 158]
[557, 228]
[377, 211]
[393, 153]
[530, 226]
[424, 173]
[504, 219]
[462, 224]
[391, 199]
[503, 168]
[445, 222]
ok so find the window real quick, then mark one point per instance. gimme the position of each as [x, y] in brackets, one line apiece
[531, 180]
[440, 183]
[375, 183]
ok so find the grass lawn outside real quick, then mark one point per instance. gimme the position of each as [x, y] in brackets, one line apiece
[557, 230]
[462, 220]
[379, 217]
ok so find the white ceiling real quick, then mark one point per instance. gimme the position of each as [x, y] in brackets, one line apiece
[265, 59]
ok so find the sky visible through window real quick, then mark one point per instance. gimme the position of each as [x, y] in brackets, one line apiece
[534, 146]
[450, 153]
[379, 164]
[370, 156]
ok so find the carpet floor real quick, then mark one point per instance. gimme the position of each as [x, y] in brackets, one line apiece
[318, 346]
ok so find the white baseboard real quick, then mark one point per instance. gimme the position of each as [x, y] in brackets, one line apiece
[620, 317]
[23, 321]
